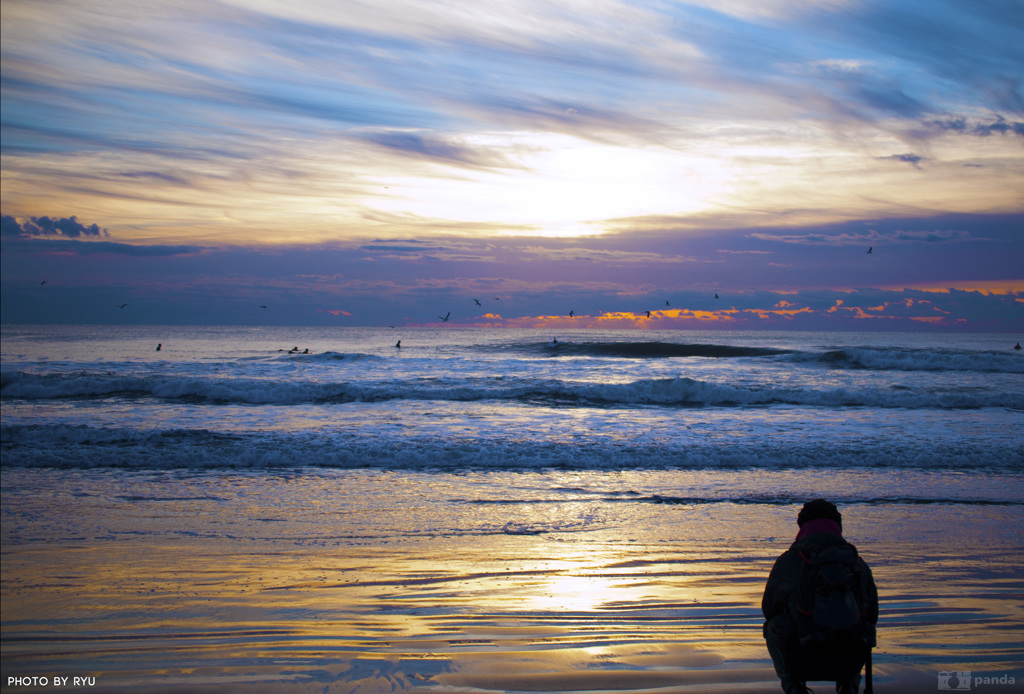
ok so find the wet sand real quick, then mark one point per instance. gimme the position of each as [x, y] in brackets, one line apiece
[263, 589]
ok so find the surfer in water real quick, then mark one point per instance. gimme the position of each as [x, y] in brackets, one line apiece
[1016, 347]
[398, 345]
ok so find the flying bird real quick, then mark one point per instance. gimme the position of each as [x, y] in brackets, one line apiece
[667, 303]
[42, 283]
[716, 295]
[870, 248]
[122, 305]
[262, 306]
[444, 318]
[648, 313]
[477, 302]
[572, 314]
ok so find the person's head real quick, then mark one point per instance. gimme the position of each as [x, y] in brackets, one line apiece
[819, 508]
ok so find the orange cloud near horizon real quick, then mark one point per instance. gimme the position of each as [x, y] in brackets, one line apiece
[987, 287]
[676, 318]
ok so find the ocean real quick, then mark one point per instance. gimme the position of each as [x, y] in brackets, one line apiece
[253, 398]
[494, 482]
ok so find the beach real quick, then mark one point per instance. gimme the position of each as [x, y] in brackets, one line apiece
[361, 581]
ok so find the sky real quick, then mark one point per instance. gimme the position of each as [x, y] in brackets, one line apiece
[656, 164]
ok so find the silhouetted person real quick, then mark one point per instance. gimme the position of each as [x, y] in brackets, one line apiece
[398, 345]
[821, 606]
[159, 346]
[1017, 347]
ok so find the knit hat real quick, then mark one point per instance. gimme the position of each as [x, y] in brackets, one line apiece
[819, 508]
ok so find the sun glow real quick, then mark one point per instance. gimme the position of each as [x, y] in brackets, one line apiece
[573, 593]
[562, 186]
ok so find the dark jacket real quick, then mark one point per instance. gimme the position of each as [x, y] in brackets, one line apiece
[781, 589]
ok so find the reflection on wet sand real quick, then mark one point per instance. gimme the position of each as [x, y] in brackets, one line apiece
[634, 598]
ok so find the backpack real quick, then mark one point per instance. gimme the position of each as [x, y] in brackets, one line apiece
[831, 612]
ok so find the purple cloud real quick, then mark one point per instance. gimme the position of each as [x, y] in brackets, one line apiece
[69, 227]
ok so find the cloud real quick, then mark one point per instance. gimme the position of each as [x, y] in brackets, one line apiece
[608, 282]
[604, 256]
[68, 227]
[872, 237]
[866, 93]
[1002, 127]
[960, 124]
[18, 245]
[860, 309]
[437, 148]
[66, 235]
[225, 114]
[128, 249]
[399, 246]
[155, 175]
[909, 158]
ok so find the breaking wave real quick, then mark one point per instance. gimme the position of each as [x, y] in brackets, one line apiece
[922, 360]
[665, 392]
[646, 350]
[871, 358]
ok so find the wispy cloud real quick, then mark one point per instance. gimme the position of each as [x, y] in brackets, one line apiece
[437, 148]
[872, 237]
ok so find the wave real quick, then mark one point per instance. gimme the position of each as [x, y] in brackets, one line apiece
[646, 350]
[870, 358]
[920, 360]
[81, 446]
[664, 392]
[327, 357]
[779, 499]
[902, 499]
